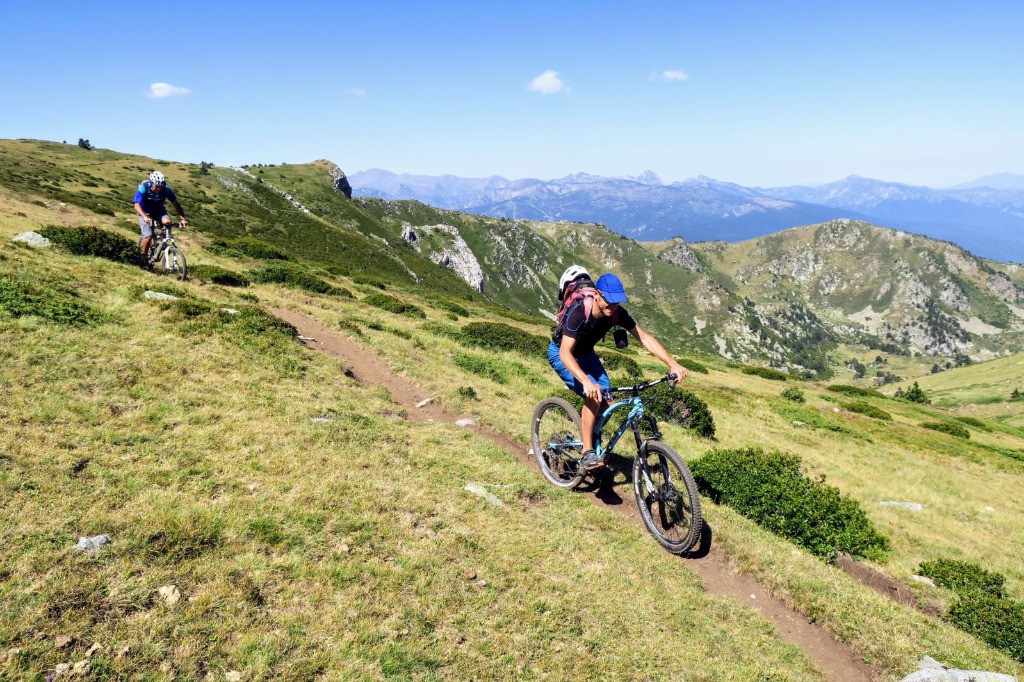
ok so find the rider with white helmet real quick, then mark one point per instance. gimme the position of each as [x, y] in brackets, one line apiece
[149, 205]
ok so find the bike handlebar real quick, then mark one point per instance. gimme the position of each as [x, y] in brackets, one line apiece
[609, 394]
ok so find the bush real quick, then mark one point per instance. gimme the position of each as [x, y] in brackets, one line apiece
[693, 365]
[812, 417]
[250, 248]
[946, 427]
[92, 241]
[767, 373]
[999, 622]
[448, 306]
[467, 392]
[869, 410]
[855, 391]
[480, 366]
[769, 488]
[794, 394]
[681, 407]
[501, 336]
[370, 281]
[19, 297]
[976, 423]
[218, 275]
[394, 305]
[963, 577]
[293, 276]
[447, 331]
[614, 362]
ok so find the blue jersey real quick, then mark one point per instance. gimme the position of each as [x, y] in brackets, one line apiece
[152, 201]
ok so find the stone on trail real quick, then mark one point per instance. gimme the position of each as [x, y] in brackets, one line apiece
[478, 489]
[923, 579]
[424, 402]
[170, 594]
[465, 422]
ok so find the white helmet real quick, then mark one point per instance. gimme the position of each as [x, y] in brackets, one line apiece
[571, 274]
[158, 178]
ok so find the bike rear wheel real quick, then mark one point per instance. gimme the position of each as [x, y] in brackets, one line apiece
[667, 497]
[174, 262]
[557, 438]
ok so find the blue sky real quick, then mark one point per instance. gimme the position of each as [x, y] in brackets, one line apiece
[758, 93]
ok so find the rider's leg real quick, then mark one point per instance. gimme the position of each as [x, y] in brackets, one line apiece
[588, 415]
[147, 235]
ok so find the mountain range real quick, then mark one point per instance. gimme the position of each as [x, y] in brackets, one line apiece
[985, 217]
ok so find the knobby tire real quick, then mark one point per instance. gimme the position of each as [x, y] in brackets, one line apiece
[671, 508]
[555, 422]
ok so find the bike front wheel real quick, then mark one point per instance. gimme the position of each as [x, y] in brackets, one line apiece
[667, 496]
[557, 438]
[174, 262]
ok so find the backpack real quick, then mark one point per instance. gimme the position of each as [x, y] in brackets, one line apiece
[576, 290]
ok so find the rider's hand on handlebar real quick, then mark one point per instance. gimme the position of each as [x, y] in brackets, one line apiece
[679, 371]
[592, 391]
[182, 222]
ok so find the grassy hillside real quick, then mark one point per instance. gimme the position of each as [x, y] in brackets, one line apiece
[348, 548]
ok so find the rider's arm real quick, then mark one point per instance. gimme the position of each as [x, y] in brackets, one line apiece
[657, 350]
[138, 209]
[181, 212]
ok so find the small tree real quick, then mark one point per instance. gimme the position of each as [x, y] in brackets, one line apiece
[916, 395]
[204, 167]
[84, 144]
[1016, 394]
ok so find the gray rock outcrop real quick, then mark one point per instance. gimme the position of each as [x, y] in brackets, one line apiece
[339, 181]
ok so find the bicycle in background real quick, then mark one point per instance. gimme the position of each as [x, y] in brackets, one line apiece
[164, 253]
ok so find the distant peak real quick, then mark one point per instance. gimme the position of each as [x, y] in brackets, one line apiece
[648, 177]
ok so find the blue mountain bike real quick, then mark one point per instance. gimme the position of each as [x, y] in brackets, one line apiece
[666, 493]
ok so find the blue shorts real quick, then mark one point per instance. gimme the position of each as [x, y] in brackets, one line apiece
[589, 363]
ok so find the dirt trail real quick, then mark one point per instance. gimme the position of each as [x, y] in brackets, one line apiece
[838, 660]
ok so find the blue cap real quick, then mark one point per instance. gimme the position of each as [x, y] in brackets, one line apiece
[611, 288]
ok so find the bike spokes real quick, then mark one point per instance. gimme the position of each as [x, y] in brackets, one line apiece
[667, 498]
[556, 442]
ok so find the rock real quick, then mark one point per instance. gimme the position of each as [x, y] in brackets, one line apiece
[306, 338]
[321, 419]
[63, 642]
[159, 296]
[32, 239]
[170, 594]
[92, 544]
[481, 583]
[465, 422]
[339, 181]
[478, 489]
[912, 506]
[81, 669]
[933, 671]
[234, 675]
[469, 575]
[923, 579]
[424, 402]
[61, 669]
[230, 311]
[10, 655]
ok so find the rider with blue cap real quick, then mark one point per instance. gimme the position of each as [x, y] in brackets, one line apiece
[571, 352]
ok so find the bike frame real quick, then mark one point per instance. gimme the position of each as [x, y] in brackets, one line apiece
[632, 420]
[163, 242]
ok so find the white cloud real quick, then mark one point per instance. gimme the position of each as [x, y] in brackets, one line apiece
[548, 83]
[675, 75]
[161, 90]
[356, 92]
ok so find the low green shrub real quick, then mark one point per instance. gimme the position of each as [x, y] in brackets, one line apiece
[449, 306]
[767, 373]
[976, 423]
[370, 281]
[914, 394]
[447, 331]
[946, 427]
[20, 297]
[869, 410]
[92, 241]
[793, 393]
[249, 248]
[770, 488]
[485, 367]
[808, 416]
[693, 365]
[681, 407]
[855, 391]
[292, 276]
[997, 621]
[614, 362]
[394, 305]
[501, 336]
[963, 576]
[218, 275]
[467, 392]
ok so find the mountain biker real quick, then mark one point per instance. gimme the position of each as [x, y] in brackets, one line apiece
[149, 204]
[571, 353]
